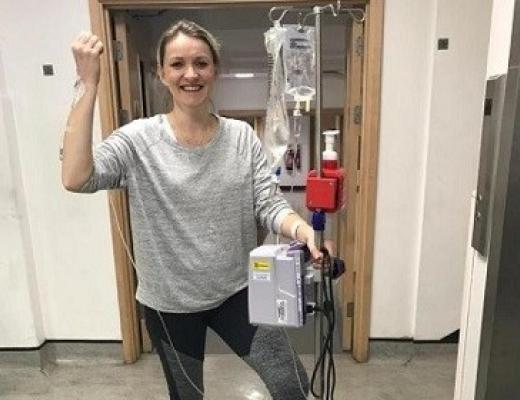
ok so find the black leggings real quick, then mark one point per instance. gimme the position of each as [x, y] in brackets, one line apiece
[265, 349]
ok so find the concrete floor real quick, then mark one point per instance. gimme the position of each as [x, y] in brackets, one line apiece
[395, 372]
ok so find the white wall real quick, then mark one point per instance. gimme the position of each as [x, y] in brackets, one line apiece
[61, 246]
[69, 234]
[457, 100]
[406, 86]
[500, 40]
[428, 163]
[251, 94]
[476, 265]
[19, 292]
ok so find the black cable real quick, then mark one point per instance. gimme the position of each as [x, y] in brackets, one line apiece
[327, 342]
[328, 337]
[323, 349]
[330, 319]
[331, 368]
[326, 311]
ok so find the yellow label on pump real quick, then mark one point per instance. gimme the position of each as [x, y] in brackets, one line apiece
[260, 265]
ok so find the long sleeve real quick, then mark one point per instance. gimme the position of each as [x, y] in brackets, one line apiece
[113, 158]
[270, 208]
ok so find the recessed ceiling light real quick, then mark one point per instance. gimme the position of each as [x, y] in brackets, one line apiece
[244, 75]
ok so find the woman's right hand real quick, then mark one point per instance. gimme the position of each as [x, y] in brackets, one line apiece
[87, 49]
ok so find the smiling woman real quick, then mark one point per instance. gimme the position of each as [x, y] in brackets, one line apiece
[188, 59]
[192, 238]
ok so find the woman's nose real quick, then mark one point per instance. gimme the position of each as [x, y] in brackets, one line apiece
[190, 72]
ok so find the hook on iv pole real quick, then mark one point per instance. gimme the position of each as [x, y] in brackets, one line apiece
[273, 9]
[357, 14]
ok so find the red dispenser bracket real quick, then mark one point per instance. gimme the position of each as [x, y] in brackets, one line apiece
[325, 192]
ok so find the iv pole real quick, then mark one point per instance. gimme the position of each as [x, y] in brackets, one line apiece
[319, 323]
[318, 290]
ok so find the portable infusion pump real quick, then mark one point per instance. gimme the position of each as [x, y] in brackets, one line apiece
[280, 289]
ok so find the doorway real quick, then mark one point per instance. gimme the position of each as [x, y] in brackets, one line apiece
[124, 94]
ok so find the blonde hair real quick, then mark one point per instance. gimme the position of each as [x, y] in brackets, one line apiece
[193, 30]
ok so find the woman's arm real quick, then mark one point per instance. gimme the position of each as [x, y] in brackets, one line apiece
[270, 207]
[77, 162]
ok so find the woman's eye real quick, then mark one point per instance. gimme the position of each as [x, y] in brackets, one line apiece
[176, 64]
[202, 64]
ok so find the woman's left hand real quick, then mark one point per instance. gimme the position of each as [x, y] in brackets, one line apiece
[306, 234]
[294, 227]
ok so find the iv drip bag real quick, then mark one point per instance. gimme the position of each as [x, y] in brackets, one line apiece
[276, 134]
[300, 62]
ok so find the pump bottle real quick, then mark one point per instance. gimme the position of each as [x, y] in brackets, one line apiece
[330, 156]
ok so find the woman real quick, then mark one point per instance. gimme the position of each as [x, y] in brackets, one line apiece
[198, 184]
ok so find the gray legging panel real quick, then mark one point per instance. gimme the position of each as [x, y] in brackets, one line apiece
[265, 349]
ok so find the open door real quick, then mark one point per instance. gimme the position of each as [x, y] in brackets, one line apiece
[128, 69]
[119, 98]
[129, 106]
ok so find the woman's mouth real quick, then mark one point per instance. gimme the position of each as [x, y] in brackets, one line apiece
[191, 88]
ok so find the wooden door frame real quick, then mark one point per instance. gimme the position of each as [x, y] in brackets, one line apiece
[350, 160]
[366, 197]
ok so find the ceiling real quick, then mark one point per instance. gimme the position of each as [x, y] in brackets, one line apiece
[241, 33]
[230, 17]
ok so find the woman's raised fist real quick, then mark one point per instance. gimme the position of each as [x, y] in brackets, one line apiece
[87, 49]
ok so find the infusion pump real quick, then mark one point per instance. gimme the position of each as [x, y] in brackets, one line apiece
[280, 285]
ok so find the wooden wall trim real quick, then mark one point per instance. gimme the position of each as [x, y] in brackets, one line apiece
[368, 178]
[107, 98]
[107, 101]
[352, 131]
[128, 4]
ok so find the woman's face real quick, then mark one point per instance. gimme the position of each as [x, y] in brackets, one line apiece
[188, 71]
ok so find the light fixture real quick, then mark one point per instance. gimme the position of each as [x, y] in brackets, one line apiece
[244, 75]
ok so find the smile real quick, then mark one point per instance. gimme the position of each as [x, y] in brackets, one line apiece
[192, 88]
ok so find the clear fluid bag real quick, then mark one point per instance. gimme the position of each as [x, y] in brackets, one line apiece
[276, 133]
[300, 62]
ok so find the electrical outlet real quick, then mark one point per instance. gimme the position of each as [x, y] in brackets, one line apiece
[443, 44]
[48, 70]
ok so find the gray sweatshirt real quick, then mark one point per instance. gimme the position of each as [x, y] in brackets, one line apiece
[193, 211]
